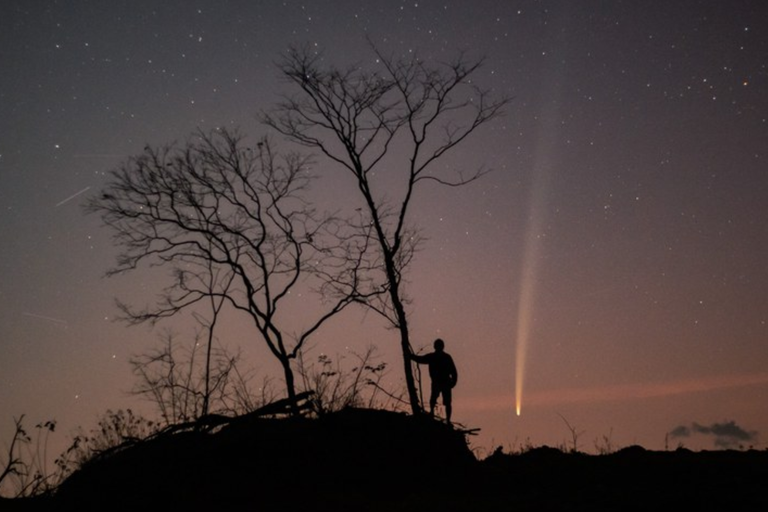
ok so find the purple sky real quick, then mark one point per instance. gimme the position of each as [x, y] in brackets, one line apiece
[629, 185]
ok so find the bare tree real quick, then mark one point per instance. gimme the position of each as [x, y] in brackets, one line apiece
[209, 279]
[233, 225]
[335, 386]
[402, 119]
[25, 472]
[185, 386]
[575, 435]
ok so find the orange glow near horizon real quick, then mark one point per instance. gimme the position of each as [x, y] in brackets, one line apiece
[620, 392]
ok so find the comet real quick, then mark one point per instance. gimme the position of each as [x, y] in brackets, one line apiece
[534, 239]
[548, 140]
[525, 310]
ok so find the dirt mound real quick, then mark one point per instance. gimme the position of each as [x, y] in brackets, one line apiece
[334, 461]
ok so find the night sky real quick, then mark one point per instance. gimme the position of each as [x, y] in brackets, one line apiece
[621, 234]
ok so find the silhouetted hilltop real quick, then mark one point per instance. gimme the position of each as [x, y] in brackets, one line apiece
[635, 479]
[339, 460]
[368, 460]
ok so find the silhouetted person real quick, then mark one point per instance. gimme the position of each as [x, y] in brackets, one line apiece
[442, 373]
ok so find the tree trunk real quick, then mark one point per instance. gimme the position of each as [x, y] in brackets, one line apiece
[405, 341]
[410, 383]
[394, 293]
[290, 385]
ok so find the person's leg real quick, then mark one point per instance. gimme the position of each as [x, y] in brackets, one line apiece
[433, 399]
[447, 403]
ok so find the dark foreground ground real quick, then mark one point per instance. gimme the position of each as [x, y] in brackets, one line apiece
[363, 460]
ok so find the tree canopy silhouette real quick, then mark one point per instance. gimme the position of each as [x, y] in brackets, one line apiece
[401, 119]
[232, 224]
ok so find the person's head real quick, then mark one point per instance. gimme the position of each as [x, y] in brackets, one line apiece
[439, 345]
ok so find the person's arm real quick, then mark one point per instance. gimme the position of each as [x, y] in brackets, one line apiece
[454, 374]
[419, 359]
